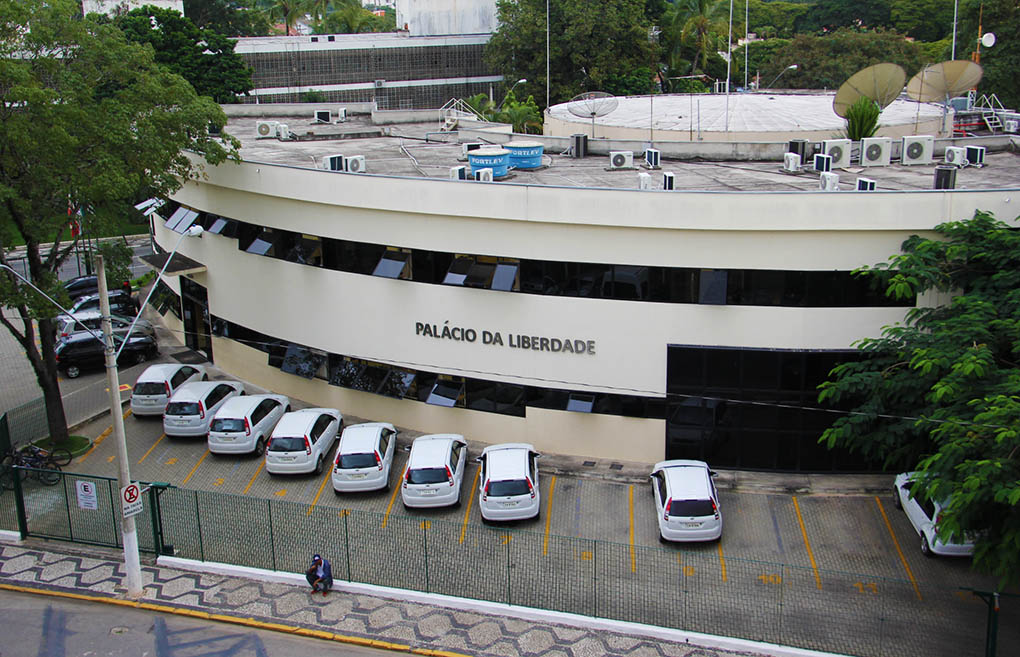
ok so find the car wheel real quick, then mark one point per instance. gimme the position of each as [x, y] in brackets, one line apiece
[72, 372]
[486, 521]
[926, 547]
[205, 377]
[897, 502]
[338, 493]
[318, 466]
[662, 539]
[260, 447]
[140, 358]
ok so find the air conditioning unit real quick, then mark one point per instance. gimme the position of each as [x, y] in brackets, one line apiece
[323, 116]
[828, 181]
[1011, 125]
[652, 157]
[458, 173]
[621, 159]
[917, 149]
[341, 115]
[379, 84]
[822, 162]
[644, 181]
[839, 151]
[335, 162]
[483, 175]
[956, 156]
[865, 185]
[945, 177]
[976, 156]
[791, 162]
[266, 129]
[356, 164]
[876, 151]
[668, 181]
[469, 146]
[283, 131]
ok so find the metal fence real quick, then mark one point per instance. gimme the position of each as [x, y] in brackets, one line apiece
[687, 588]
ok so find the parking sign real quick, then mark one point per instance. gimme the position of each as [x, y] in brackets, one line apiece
[87, 495]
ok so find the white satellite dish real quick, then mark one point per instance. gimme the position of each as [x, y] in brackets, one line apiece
[988, 39]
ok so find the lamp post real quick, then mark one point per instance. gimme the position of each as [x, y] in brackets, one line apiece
[956, 6]
[521, 81]
[791, 67]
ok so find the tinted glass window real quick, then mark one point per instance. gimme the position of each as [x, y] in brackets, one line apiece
[182, 408]
[179, 378]
[695, 508]
[427, 476]
[154, 388]
[509, 488]
[227, 425]
[351, 461]
[287, 444]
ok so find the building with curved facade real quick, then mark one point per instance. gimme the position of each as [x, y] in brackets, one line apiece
[565, 306]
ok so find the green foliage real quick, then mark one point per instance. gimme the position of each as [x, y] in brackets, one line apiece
[351, 18]
[762, 57]
[688, 86]
[771, 19]
[631, 83]
[925, 20]
[937, 51]
[524, 117]
[825, 62]
[695, 30]
[592, 43]
[830, 15]
[1001, 61]
[286, 11]
[313, 97]
[228, 17]
[862, 119]
[117, 256]
[203, 57]
[941, 391]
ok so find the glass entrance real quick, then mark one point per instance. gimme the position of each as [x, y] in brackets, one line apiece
[197, 328]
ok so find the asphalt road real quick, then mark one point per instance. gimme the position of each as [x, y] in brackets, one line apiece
[45, 626]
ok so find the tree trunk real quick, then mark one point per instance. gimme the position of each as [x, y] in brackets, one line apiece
[44, 362]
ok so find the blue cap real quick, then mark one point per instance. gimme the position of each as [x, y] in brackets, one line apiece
[316, 557]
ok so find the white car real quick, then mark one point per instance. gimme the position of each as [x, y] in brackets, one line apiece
[243, 424]
[509, 482]
[302, 440]
[92, 319]
[923, 514]
[155, 386]
[364, 457]
[686, 501]
[192, 408]
[435, 471]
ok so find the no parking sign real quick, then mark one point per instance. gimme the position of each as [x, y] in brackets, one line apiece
[131, 500]
[86, 495]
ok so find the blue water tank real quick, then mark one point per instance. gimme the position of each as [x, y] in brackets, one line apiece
[525, 154]
[497, 159]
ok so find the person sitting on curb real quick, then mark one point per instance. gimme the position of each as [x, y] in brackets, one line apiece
[320, 575]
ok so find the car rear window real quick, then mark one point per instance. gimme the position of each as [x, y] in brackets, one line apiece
[182, 408]
[426, 476]
[688, 508]
[227, 424]
[286, 444]
[351, 461]
[508, 487]
[151, 388]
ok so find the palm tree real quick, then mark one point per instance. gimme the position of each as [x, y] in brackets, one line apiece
[287, 11]
[698, 24]
[522, 116]
[319, 8]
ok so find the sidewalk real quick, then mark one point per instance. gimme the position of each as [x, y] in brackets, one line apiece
[356, 614]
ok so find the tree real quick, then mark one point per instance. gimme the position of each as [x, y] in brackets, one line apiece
[228, 17]
[701, 27]
[830, 15]
[940, 392]
[591, 43]
[925, 20]
[524, 117]
[288, 11]
[825, 62]
[204, 58]
[87, 121]
[351, 18]
[1000, 62]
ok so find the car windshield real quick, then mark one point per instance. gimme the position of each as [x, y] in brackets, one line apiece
[287, 444]
[150, 388]
[426, 476]
[689, 508]
[227, 424]
[182, 408]
[509, 488]
[351, 461]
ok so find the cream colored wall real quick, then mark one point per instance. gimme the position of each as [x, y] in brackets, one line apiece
[560, 432]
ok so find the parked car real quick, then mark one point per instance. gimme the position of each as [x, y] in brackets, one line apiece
[435, 471]
[364, 457]
[121, 303]
[509, 482]
[82, 286]
[923, 514]
[156, 385]
[92, 319]
[82, 351]
[686, 501]
[244, 424]
[192, 408]
[302, 440]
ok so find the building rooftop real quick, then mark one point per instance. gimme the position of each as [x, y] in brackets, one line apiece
[421, 151]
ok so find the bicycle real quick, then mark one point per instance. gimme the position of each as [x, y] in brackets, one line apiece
[35, 461]
[58, 455]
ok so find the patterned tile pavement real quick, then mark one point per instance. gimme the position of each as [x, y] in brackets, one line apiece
[98, 572]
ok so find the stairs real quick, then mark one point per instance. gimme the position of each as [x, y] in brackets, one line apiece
[992, 120]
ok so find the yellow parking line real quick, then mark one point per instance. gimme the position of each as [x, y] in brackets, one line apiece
[467, 511]
[807, 543]
[329, 475]
[548, 516]
[195, 468]
[103, 436]
[630, 502]
[722, 559]
[393, 498]
[251, 481]
[903, 559]
[151, 448]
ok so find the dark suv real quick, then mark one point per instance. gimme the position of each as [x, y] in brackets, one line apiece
[81, 351]
[82, 286]
[121, 303]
